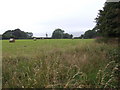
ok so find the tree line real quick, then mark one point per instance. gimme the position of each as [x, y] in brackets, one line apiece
[107, 22]
[17, 34]
[107, 25]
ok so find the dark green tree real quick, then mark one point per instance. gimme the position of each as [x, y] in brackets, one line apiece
[7, 34]
[89, 34]
[67, 36]
[58, 34]
[17, 34]
[71, 36]
[29, 34]
[108, 20]
[82, 36]
[46, 35]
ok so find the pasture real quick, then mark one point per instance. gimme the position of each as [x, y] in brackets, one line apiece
[57, 63]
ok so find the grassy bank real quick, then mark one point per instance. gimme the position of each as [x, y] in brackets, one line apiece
[55, 63]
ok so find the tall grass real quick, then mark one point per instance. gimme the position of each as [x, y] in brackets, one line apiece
[109, 77]
[54, 63]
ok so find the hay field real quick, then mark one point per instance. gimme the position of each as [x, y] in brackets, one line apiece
[56, 63]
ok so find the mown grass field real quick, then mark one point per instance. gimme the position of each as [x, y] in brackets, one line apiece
[57, 63]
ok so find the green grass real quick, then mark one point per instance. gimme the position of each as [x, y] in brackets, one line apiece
[54, 63]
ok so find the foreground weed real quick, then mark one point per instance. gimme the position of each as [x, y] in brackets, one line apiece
[108, 77]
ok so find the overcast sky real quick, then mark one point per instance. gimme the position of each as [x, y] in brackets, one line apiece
[44, 16]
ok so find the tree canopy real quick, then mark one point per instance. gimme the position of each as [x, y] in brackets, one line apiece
[108, 20]
[89, 34]
[17, 33]
[59, 34]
